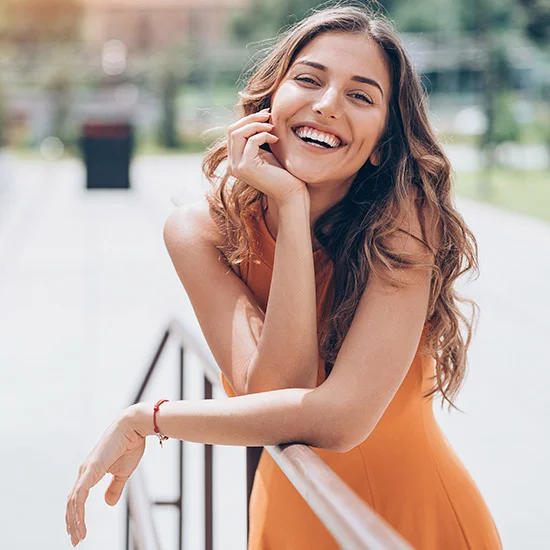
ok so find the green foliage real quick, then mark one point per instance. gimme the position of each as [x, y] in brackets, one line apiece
[59, 90]
[537, 24]
[169, 91]
[505, 126]
[411, 16]
[496, 15]
[265, 18]
[526, 192]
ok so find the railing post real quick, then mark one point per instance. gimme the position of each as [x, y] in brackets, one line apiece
[181, 500]
[127, 521]
[208, 500]
[252, 459]
[348, 518]
[152, 367]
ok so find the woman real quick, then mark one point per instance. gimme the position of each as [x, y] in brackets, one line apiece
[335, 203]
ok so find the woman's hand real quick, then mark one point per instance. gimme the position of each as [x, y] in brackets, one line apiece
[118, 452]
[255, 166]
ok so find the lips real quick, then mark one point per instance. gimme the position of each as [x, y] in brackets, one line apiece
[320, 128]
[314, 148]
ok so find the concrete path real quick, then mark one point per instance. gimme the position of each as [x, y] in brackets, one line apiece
[86, 291]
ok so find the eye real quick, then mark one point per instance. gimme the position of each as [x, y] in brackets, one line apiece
[305, 79]
[362, 97]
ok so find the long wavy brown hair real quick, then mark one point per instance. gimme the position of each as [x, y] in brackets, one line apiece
[414, 170]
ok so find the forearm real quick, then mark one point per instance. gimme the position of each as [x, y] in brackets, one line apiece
[270, 418]
[287, 352]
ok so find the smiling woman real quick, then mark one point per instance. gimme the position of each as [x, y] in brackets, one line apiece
[321, 267]
[348, 122]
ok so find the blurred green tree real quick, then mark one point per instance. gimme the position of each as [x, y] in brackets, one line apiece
[265, 18]
[59, 89]
[537, 29]
[537, 24]
[169, 87]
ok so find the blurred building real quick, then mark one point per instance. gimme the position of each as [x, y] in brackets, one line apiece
[146, 26]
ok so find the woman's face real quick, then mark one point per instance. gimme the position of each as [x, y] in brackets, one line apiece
[336, 92]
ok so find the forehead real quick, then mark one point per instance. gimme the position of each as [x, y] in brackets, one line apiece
[349, 54]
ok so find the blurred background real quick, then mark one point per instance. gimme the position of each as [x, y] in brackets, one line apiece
[105, 109]
[172, 71]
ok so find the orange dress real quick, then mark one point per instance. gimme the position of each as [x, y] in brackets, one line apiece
[405, 470]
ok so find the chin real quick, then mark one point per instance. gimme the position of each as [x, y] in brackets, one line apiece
[309, 176]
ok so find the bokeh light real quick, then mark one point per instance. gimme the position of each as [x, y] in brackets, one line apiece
[52, 148]
[113, 57]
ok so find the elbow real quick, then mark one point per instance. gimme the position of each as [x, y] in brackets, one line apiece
[348, 441]
[342, 441]
[345, 444]
[336, 426]
[355, 432]
[264, 385]
[259, 379]
[259, 386]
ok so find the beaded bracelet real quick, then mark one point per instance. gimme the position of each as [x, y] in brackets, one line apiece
[161, 437]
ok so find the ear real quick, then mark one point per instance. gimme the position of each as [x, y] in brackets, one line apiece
[375, 157]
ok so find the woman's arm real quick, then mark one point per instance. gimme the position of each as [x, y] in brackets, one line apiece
[267, 418]
[375, 357]
[288, 348]
[373, 361]
[256, 352]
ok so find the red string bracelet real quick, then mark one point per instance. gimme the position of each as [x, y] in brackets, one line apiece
[161, 437]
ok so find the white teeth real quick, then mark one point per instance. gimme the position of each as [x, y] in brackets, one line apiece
[329, 139]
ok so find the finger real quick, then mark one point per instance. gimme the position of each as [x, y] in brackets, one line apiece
[81, 495]
[75, 527]
[253, 145]
[67, 520]
[71, 522]
[239, 137]
[114, 491]
[70, 515]
[250, 129]
[260, 116]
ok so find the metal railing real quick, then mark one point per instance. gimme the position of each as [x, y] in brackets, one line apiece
[352, 523]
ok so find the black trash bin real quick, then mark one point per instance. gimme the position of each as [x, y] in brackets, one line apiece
[107, 149]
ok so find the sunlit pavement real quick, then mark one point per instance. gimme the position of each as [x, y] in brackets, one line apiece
[86, 291]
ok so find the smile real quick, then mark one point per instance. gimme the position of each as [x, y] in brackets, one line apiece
[315, 139]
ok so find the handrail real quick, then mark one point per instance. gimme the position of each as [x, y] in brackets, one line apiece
[349, 519]
[352, 523]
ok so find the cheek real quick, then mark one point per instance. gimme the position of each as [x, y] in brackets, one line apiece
[370, 131]
[286, 101]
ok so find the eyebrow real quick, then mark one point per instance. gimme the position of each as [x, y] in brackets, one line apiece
[356, 78]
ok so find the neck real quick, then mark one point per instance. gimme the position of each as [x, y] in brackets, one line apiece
[321, 200]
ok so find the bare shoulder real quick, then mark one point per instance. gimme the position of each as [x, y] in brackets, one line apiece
[191, 228]
[190, 223]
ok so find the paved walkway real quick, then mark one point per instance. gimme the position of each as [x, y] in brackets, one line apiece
[86, 290]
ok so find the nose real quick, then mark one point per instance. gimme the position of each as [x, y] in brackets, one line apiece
[328, 104]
